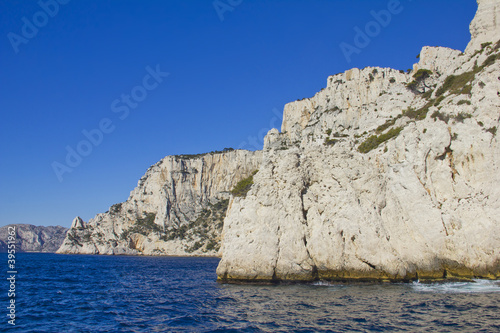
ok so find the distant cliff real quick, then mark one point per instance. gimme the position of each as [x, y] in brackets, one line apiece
[30, 238]
[177, 208]
[382, 175]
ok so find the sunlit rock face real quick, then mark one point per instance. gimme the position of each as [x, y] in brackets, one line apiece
[382, 175]
[485, 28]
[177, 208]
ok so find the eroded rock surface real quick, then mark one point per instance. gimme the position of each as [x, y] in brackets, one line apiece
[177, 208]
[382, 175]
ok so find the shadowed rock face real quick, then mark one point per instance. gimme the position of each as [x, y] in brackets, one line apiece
[371, 180]
[177, 208]
[30, 238]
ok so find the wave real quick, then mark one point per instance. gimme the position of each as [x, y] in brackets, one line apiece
[477, 286]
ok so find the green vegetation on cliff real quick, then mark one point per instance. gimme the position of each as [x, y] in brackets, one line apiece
[241, 189]
[374, 141]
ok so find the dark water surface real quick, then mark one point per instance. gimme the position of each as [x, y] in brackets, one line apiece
[70, 293]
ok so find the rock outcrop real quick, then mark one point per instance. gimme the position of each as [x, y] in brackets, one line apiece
[177, 208]
[31, 238]
[485, 28]
[382, 175]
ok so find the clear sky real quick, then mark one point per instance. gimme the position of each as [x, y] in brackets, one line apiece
[124, 83]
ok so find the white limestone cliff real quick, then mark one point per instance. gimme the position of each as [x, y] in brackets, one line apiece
[177, 208]
[485, 27]
[369, 179]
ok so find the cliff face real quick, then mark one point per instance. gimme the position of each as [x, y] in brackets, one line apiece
[177, 208]
[382, 175]
[486, 25]
[30, 238]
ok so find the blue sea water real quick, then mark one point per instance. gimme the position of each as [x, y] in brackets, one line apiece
[77, 293]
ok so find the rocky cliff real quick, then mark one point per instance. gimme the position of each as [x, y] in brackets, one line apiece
[177, 208]
[30, 238]
[382, 175]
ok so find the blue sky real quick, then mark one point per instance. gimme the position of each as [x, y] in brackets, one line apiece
[100, 66]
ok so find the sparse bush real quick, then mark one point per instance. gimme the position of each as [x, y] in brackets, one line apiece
[427, 94]
[462, 116]
[422, 74]
[87, 237]
[462, 84]
[116, 208]
[194, 247]
[463, 101]
[212, 245]
[492, 130]
[330, 142]
[413, 86]
[146, 225]
[467, 90]
[74, 237]
[419, 114]
[374, 141]
[241, 189]
[489, 61]
[439, 100]
[194, 156]
[440, 116]
[455, 84]
[387, 124]
[484, 45]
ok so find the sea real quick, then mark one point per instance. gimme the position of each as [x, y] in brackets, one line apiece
[80, 293]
